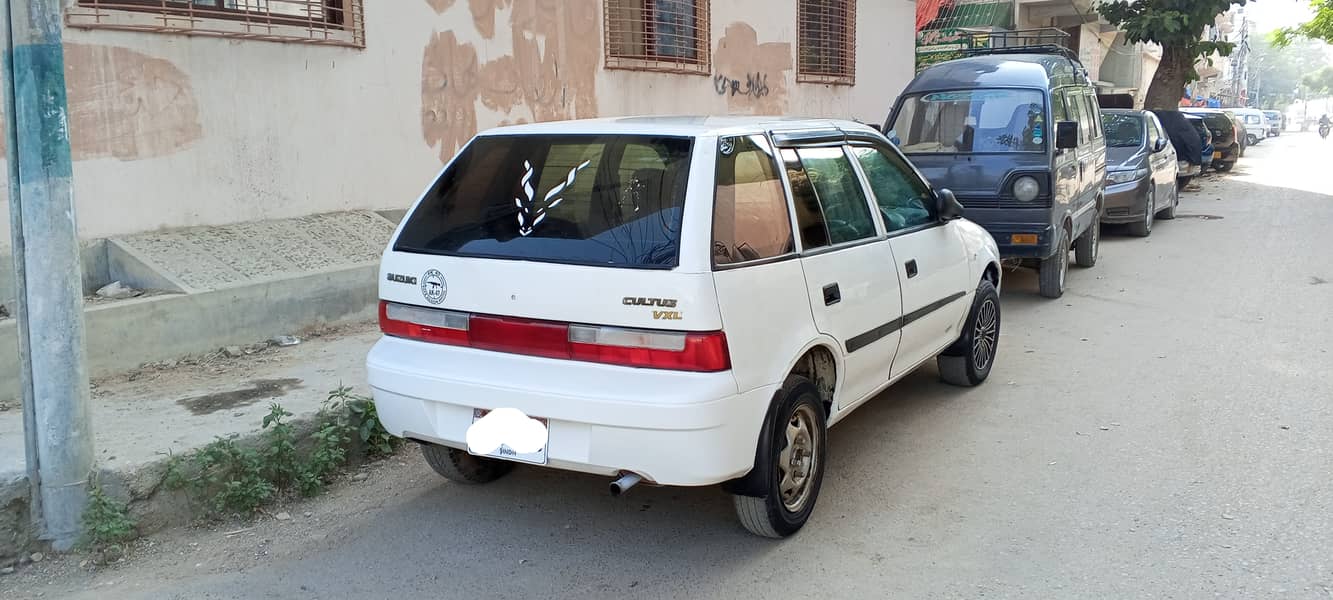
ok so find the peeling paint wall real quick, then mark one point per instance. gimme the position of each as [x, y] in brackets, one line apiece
[172, 131]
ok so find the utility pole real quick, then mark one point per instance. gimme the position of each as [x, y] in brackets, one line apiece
[52, 366]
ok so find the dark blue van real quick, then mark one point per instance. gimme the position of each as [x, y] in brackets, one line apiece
[1016, 134]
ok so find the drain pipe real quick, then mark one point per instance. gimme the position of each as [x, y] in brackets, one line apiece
[626, 481]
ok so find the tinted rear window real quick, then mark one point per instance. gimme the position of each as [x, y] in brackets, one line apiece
[579, 199]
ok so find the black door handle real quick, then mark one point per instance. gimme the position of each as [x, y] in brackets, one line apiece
[832, 295]
[911, 268]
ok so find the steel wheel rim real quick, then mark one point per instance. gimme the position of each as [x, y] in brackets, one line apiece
[798, 461]
[985, 334]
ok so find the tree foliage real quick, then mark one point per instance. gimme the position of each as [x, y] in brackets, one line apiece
[1177, 26]
[1320, 82]
[1174, 24]
[1281, 70]
[1318, 28]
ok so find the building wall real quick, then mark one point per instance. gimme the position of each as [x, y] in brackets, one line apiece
[172, 131]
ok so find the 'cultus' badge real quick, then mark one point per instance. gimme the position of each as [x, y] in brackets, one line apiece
[432, 286]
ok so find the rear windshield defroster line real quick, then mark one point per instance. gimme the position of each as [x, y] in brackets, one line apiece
[601, 200]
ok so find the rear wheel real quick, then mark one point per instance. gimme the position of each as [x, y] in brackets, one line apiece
[968, 362]
[794, 468]
[460, 467]
[1223, 166]
[1051, 273]
[1087, 246]
[1144, 227]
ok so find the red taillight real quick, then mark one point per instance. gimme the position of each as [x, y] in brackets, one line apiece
[703, 352]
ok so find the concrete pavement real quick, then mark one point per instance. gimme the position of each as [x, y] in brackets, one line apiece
[1161, 431]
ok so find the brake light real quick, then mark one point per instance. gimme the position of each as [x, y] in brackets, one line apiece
[680, 351]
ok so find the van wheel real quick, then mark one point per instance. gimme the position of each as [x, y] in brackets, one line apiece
[1051, 273]
[794, 467]
[460, 467]
[968, 362]
[1087, 245]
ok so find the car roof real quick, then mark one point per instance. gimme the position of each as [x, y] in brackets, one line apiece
[677, 125]
[1000, 70]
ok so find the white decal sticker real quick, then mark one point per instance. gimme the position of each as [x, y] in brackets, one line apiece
[506, 427]
[530, 214]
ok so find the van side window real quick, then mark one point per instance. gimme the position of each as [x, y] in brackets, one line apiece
[901, 196]
[1076, 113]
[1058, 112]
[750, 217]
[1093, 114]
[841, 203]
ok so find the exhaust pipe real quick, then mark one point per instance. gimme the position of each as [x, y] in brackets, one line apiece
[626, 481]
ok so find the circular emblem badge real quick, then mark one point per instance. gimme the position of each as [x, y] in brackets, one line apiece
[432, 286]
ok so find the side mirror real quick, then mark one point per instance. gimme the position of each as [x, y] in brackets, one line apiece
[947, 205]
[1159, 145]
[1066, 135]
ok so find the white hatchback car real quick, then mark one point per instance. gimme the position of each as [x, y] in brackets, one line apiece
[679, 300]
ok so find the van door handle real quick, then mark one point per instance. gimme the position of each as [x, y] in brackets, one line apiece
[832, 295]
[911, 268]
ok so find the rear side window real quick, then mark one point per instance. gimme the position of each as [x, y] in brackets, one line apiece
[831, 207]
[750, 218]
[593, 200]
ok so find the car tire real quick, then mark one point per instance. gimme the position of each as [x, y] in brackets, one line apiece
[460, 467]
[794, 468]
[1143, 228]
[1223, 167]
[1087, 246]
[968, 361]
[1054, 270]
[1168, 213]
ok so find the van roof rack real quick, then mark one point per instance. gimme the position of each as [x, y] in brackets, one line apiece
[1046, 40]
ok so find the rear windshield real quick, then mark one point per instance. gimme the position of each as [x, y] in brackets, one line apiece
[972, 121]
[1123, 131]
[578, 199]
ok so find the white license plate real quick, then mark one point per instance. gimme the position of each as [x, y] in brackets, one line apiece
[507, 453]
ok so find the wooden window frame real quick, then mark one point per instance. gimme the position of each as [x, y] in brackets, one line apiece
[845, 74]
[619, 53]
[342, 25]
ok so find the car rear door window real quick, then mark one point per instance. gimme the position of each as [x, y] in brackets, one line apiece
[828, 197]
[750, 216]
[901, 196]
[608, 200]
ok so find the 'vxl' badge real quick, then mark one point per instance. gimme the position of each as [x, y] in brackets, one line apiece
[432, 286]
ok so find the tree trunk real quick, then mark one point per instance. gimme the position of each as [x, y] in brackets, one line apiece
[1168, 84]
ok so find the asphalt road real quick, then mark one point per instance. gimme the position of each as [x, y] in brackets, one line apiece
[1163, 431]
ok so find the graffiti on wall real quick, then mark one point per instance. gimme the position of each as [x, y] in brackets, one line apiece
[548, 74]
[752, 76]
[755, 85]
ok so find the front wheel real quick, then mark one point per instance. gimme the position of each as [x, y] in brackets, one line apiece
[1169, 212]
[1052, 271]
[1144, 227]
[794, 468]
[968, 361]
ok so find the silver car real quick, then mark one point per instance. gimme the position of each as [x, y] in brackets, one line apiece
[1141, 171]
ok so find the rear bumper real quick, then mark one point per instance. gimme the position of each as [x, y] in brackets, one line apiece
[1125, 202]
[672, 428]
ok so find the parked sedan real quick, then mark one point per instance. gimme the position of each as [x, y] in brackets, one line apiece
[1141, 171]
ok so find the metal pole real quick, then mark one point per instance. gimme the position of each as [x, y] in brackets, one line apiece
[47, 269]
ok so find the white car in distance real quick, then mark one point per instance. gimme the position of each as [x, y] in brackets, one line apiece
[683, 301]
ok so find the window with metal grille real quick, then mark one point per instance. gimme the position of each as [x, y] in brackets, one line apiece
[331, 22]
[657, 35]
[827, 37]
